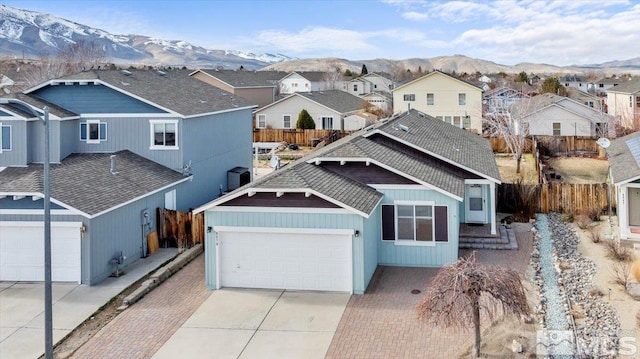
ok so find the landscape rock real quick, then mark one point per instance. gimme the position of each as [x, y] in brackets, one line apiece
[516, 347]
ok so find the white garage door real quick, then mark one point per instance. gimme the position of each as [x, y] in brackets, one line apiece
[300, 261]
[22, 251]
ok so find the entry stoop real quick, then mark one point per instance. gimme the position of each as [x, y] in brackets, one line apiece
[506, 240]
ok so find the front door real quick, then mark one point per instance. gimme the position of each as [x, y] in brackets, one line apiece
[634, 206]
[475, 204]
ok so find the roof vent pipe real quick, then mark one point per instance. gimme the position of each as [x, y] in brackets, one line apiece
[113, 165]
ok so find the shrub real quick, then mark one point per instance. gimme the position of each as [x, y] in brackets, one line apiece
[525, 201]
[594, 235]
[596, 292]
[616, 251]
[593, 214]
[635, 270]
[305, 121]
[568, 217]
[621, 273]
[583, 221]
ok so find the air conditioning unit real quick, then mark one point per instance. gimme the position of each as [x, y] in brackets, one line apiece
[238, 177]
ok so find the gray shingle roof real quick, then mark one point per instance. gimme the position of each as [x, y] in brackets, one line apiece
[631, 86]
[313, 76]
[37, 103]
[240, 79]
[84, 181]
[340, 101]
[444, 140]
[423, 169]
[622, 156]
[173, 89]
[345, 190]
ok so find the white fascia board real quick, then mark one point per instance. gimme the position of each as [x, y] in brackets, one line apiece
[128, 115]
[143, 196]
[53, 200]
[221, 111]
[445, 159]
[34, 212]
[313, 210]
[623, 182]
[39, 223]
[346, 232]
[273, 104]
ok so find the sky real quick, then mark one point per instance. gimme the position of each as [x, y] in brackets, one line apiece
[558, 32]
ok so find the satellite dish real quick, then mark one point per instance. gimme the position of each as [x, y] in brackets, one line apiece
[604, 142]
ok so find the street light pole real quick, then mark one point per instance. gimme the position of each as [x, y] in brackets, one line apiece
[48, 301]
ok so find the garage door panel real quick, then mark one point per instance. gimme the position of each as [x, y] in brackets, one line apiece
[22, 251]
[285, 261]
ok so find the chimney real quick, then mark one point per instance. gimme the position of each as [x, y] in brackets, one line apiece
[113, 165]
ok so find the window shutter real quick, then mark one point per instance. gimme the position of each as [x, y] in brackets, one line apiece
[388, 223]
[83, 131]
[103, 131]
[441, 220]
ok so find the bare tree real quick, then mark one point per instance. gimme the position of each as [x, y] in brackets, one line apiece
[509, 124]
[334, 77]
[462, 289]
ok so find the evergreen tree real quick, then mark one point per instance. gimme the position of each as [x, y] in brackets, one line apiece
[522, 77]
[552, 85]
[364, 70]
[348, 73]
[305, 121]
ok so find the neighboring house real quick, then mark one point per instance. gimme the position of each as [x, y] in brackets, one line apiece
[574, 81]
[535, 79]
[601, 87]
[500, 99]
[553, 115]
[624, 159]
[485, 79]
[328, 109]
[309, 81]
[444, 97]
[381, 100]
[368, 83]
[257, 87]
[174, 139]
[586, 99]
[358, 121]
[623, 102]
[391, 195]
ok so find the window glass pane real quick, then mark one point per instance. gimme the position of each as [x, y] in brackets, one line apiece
[423, 211]
[475, 204]
[93, 131]
[158, 134]
[83, 131]
[170, 139]
[170, 127]
[388, 223]
[103, 131]
[6, 138]
[425, 229]
[405, 228]
[405, 211]
[456, 121]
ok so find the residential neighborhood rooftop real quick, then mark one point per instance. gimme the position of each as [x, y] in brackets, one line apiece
[630, 86]
[247, 78]
[624, 158]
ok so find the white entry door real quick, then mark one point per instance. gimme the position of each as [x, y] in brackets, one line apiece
[298, 261]
[634, 206]
[22, 251]
[475, 204]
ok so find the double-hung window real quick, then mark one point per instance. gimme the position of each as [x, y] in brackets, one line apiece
[462, 99]
[327, 123]
[262, 121]
[557, 128]
[164, 134]
[5, 138]
[93, 131]
[420, 223]
[286, 121]
[431, 99]
[409, 97]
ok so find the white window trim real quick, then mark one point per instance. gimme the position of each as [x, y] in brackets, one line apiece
[464, 94]
[283, 123]
[407, 242]
[258, 121]
[322, 121]
[87, 123]
[433, 95]
[152, 139]
[10, 138]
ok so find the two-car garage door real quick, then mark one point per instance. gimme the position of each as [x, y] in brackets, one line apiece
[22, 251]
[299, 261]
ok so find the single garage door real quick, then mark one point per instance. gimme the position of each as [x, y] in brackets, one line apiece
[299, 261]
[22, 251]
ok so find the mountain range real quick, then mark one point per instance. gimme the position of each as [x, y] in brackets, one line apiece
[30, 34]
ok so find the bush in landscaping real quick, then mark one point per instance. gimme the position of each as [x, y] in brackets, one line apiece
[525, 201]
[568, 217]
[594, 235]
[616, 251]
[593, 214]
[305, 121]
[621, 273]
[596, 292]
[583, 221]
[635, 270]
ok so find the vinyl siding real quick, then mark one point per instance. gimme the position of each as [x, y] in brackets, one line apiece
[371, 236]
[91, 98]
[293, 106]
[25, 203]
[571, 124]
[17, 156]
[286, 220]
[421, 256]
[35, 142]
[69, 137]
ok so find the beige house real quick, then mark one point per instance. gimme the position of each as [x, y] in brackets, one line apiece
[257, 87]
[624, 159]
[444, 97]
[623, 102]
[328, 109]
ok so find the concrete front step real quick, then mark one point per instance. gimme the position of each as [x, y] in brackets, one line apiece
[507, 240]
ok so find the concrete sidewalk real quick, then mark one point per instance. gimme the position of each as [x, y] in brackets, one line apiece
[22, 306]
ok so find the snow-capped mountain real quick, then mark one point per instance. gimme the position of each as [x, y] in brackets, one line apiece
[34, 34]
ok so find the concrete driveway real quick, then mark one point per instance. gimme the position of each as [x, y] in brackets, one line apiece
[251, 323]
[22, 306]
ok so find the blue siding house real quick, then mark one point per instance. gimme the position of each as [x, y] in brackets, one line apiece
[393, 194]
[123, 143]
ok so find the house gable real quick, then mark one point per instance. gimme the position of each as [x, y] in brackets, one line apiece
[266, 199]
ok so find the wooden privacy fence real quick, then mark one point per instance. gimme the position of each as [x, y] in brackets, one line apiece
[297, 136]
[570, 145]
[559, 197]
[499, 145]
[182, 229]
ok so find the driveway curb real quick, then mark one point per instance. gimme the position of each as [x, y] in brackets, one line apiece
[161, 275]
